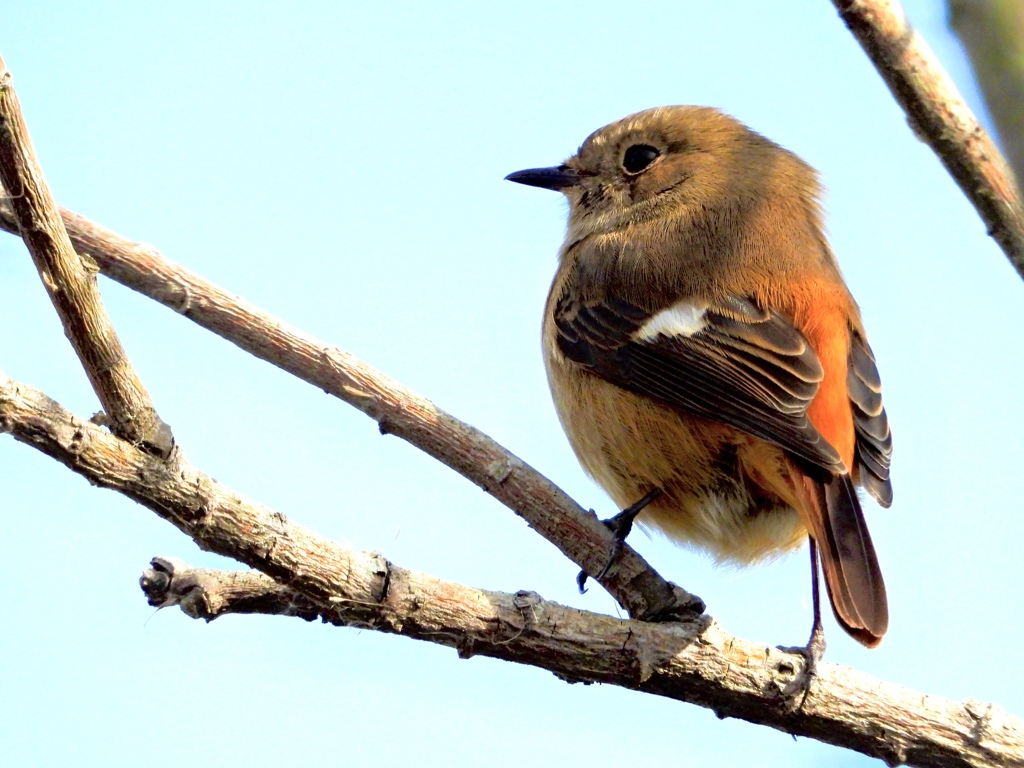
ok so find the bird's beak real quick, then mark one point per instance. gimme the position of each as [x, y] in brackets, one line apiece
[558, 178]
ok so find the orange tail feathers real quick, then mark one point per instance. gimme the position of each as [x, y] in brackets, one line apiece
[852, 576]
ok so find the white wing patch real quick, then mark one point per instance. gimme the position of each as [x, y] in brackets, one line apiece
[684, 318]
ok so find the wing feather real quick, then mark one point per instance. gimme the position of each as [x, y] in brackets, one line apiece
[746, 366]
[874, 440]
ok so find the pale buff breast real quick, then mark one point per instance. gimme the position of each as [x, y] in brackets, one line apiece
[629, 445]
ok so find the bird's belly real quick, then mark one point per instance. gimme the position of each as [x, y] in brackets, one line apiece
[710, 499]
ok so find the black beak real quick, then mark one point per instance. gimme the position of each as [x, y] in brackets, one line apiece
[556, 178]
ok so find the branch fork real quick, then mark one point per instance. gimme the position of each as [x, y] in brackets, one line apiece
[300, 574]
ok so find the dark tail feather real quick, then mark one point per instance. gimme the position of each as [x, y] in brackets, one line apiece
[852, 575]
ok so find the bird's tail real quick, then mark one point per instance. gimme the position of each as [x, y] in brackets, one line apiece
[848, 559]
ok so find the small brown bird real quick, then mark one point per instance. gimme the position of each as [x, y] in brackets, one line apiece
[706, 356]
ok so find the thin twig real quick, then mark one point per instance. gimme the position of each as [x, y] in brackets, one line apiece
[203, 593]
[397, 410]
[694, 660]
[71, 285]
[940, 117]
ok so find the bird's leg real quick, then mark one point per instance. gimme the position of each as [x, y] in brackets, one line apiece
[620, 526]
[815, 648]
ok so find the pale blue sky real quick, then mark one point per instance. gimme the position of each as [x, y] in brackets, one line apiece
[341, 165]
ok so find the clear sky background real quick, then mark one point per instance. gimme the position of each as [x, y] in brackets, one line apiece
[341, 165]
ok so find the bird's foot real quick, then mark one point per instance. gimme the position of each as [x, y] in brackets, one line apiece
[813, 652]
[621, 525]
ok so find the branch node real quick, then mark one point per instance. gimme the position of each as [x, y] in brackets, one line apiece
[679, 605]
[895, 752]
[183, 307]
[70, 282]
[526, 603]
[156, 581]
[466, 647]
[980, 713]
[92, 267]
[499, 470]
[384, 573]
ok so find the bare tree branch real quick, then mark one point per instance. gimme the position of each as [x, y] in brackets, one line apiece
[992, 32]
[397, 410]
[204, 593]
[939, 116]
[693, 660]
[71, 285]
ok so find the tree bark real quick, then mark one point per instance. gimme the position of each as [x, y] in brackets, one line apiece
[71, 285]
[940, 117]
[577, 532]
[992, 33]
[693, 660]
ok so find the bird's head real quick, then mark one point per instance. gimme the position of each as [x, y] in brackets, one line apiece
[663, 162]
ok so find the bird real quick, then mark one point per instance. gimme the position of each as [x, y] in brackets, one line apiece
[706, 359]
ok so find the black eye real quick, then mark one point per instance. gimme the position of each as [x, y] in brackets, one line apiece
[638, 157]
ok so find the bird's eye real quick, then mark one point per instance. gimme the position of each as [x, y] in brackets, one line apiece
[638, 157]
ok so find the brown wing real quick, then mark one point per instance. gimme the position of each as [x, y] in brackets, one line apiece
[874, 440]
[745, 366]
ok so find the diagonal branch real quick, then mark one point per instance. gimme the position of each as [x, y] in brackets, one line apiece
[940, 117]
[992, 34]
[397, 410]
[693, 660]
[71, 285]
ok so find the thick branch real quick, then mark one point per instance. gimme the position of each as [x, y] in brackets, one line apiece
[71, 286]
[693, 660]
[399, 411]
[940, 117]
